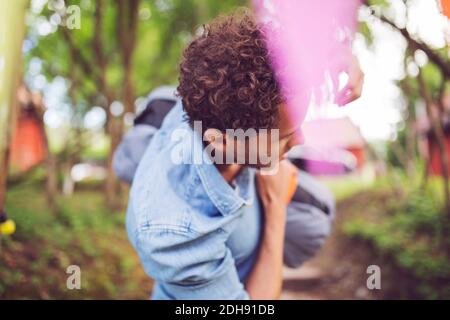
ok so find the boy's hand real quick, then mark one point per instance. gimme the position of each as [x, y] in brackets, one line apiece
[353, 88]
[275, 189]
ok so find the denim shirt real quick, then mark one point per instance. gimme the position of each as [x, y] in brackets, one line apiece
[196, 235]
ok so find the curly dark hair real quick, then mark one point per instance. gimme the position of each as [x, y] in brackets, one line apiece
[226, 79]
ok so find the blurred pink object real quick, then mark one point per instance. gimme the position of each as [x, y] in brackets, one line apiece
[307, 39]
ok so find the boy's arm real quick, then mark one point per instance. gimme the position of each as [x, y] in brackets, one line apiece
[265, 280]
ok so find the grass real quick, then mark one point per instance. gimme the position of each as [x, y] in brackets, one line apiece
[84, 232]
[345, 186]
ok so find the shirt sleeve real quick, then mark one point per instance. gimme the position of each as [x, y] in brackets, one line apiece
[189, 265]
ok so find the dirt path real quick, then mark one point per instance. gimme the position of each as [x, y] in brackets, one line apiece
[339, 269]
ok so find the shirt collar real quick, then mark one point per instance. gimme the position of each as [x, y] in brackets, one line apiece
[224, 197]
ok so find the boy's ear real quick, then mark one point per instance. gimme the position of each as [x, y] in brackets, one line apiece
[215, 137]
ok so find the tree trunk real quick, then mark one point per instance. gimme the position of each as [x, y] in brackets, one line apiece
[112, 184]
[51, 185]
[68, 183]
[127, 11]
[411, 132]
[438, 134]
[12, 29]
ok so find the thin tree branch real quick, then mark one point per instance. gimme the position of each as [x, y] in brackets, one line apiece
[77, 54]
[415, 44]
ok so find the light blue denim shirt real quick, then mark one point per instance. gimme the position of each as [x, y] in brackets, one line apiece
[196, 235]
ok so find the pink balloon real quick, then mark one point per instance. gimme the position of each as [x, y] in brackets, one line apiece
[306, 39]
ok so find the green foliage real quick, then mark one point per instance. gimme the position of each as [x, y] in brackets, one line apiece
[391, 157]
[84, 232]
[433, 78]
[166, 33]
[364, 29]
[381, 3]
[163, 30]
[413, 231]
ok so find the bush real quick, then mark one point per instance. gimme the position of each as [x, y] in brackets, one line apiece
[84, 232]
[413, 233]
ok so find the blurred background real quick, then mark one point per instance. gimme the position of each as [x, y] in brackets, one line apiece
[73, 76]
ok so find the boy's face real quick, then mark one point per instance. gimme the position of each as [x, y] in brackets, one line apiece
[291, 134]
[260, 148]
[277, 143]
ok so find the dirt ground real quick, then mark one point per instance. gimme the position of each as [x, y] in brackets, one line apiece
[339, 271]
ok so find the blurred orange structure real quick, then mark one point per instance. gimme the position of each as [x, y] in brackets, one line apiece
[28, 146]
[445, 6]
[428, 145]
[434, 165]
